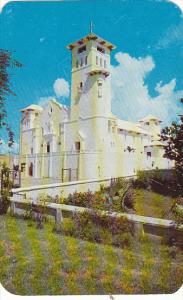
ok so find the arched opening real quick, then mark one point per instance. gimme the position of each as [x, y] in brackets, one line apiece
[77, 146]
[48, 148]
[100, 88]
[31, 169]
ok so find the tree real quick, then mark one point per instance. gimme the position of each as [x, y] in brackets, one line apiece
[6, 62]
[6, 186]
[173, 136]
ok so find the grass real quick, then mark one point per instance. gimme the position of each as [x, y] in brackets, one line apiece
[151, 204]
[37, 262]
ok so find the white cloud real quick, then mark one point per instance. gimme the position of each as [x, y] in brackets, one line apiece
[61, 88]
[130, 95]
[4, 148]
[172, 37]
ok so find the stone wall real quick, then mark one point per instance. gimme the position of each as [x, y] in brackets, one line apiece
[64, 188]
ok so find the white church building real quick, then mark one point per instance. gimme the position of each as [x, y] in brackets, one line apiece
[86, 141]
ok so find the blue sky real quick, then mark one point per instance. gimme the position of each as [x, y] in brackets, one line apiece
[147, 64]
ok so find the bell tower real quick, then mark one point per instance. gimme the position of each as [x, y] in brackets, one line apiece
[90, 88]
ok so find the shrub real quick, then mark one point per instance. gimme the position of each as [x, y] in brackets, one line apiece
[129, 200]
[100, 228]
[43, 197]
[6, 186]
[106, 198]
[4, 203]
[122, 240]
[80, 199]
[36, 213]
[177, 210]
[142, 180]
[29, 212]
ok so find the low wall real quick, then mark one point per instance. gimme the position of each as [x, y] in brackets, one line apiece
[155, 226]
[64, 188]
[165, 174]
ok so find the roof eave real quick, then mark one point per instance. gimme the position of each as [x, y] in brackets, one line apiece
[91, 37]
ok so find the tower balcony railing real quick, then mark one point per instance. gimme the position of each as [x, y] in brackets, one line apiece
[99, 72]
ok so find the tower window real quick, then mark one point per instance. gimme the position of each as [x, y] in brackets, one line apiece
[77, 146]
[109, 126]
[81, 85]
[100, 89]
[48, 148]
[82, 49]
[77, 64]
[148, 154]
[101, 62]
[31, 150]
[96, 60]
[31, 169]
[100, 49]
[86, 60]
[81, 61]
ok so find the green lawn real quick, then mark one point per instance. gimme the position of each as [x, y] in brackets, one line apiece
[37, 262]
[148, 203]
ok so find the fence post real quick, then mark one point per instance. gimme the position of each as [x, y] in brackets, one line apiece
[139, 229]
[58, 219]
[13, 207]
[58, 216]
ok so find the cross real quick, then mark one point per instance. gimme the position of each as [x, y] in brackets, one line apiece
[91, 27]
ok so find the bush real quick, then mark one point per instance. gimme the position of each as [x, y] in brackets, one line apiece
[6, 186]
[118, 196]
[122, 240]
[142, 180]
[36, 213]
[100, 228]
[4, 204]
[43, 197]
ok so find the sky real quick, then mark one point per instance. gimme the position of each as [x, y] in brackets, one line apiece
[146, 66]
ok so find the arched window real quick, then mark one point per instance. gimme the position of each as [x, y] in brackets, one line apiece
[48, 148]
[31, 169]
[86, 60]
[77, 146]
[101, 62]
[100, 88]
[96, 60]
[81, 61]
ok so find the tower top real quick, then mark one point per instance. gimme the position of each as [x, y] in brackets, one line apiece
[91, 36]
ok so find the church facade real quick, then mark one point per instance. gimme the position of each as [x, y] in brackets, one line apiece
[86, 141]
